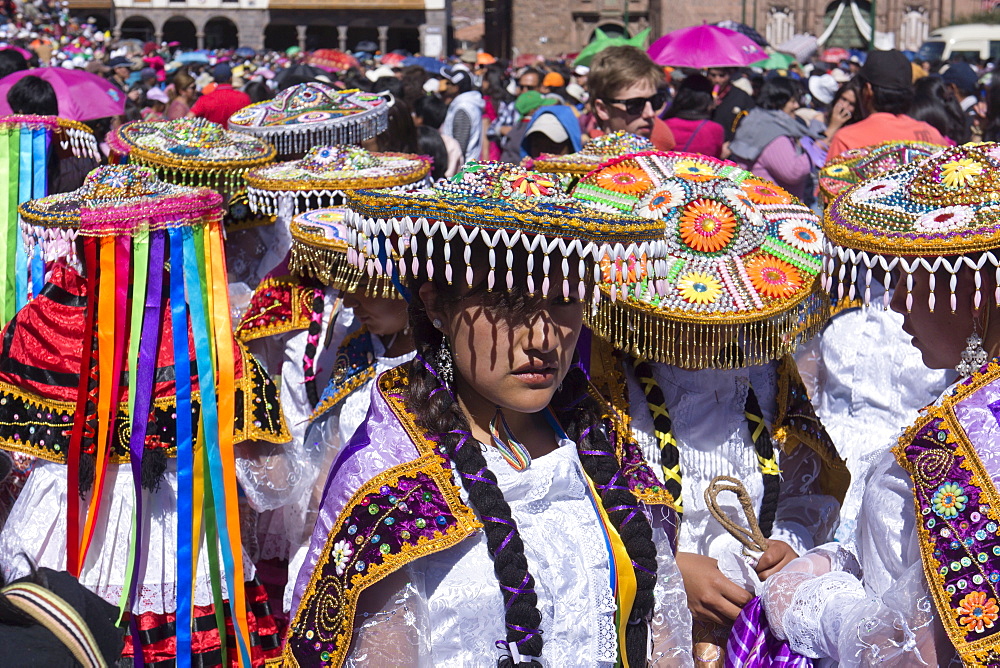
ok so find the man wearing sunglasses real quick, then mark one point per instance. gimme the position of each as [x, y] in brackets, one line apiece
[627, 93]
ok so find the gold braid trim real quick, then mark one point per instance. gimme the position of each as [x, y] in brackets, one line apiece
[984, 653]
[644, 331]
[341, 605]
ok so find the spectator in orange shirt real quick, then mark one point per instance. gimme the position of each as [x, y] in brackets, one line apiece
[627, 93]
[222, 102]
[886, 95]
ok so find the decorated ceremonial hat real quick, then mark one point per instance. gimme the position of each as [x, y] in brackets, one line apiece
[313, 114]
[859, 164]
[192, 152]
[501, 207]
[326, 172]
[596, 151]
[27, 144]
[135, 360]
[942, 212]
[742, 261]
[319, 250]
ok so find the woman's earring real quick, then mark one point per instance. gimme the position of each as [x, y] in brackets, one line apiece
[437, 323]
[973, 357]
[443, 362]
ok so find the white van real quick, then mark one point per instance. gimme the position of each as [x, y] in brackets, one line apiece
[971, 42]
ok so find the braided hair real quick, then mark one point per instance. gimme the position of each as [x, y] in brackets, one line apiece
[437, 410]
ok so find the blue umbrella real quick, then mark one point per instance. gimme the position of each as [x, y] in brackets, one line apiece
[432, 65]
[245, 52]
[192, 57]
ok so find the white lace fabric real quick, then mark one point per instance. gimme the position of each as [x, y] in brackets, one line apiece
[867, 383]
[282, 504]
[453, 612]
[37, 528]
[707, 413]
[324, 439]
[887, 618]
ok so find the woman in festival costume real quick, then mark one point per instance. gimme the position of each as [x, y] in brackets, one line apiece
[865, 379]
[492, 506]
[703, 367]
[198, 153]
[137, 431]
[383, 341]
[927, 538]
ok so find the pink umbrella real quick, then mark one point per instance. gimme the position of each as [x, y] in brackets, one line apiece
[705, 46]
[82, 96]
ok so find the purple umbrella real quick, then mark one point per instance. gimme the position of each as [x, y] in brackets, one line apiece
[82, 96]
[705, 46]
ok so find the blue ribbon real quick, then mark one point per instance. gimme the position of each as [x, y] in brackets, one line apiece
[195, 277]
[185, 451]
[40, 141]
[143, 379]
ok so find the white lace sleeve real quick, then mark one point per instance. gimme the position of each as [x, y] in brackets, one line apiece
[805, 517]
[671, 624]
[392, 637]
[270, 474]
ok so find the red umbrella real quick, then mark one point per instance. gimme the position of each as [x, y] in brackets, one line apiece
[82, 96]
[393, 59]
[835, 55]
[705, 46]
[526, 59]
[332, 60]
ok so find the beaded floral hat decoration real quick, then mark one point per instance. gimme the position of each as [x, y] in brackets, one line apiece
[147, 368]
[313, 114]
[859, 164]
[192, 152]
[742, 261]
[934, 214]
[319, 250]
[325, 173]
[500, 207]
[27, 145]
[596, 151]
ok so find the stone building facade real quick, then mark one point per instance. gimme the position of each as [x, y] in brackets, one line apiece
[414, 25]
[555, 28]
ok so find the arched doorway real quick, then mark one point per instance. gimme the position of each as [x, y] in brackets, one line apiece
[611, 30]
[138, 27]
[405, 38]
[182, 30]
[280, 37]
[322, 37]
[358, 34]
[221, 33]
[846, 33]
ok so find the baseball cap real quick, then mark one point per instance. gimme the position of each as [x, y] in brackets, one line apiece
[456, 74]
[530, 100]
[887, 69]
[157, 95]
[222, 72]
[549, 125]
[962, 75]
[120, 61]
[823, 88]
[554, 80]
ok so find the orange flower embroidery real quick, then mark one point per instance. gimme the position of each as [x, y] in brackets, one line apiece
[707, 226]
[624, 179]
[632, 270]
[765, 192]
[773, 277]
[977, 612]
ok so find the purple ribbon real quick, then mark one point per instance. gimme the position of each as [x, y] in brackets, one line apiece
[143, 379]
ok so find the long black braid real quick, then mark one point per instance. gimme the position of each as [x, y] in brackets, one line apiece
[438, 411]
[579, 413]
[581, 417]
